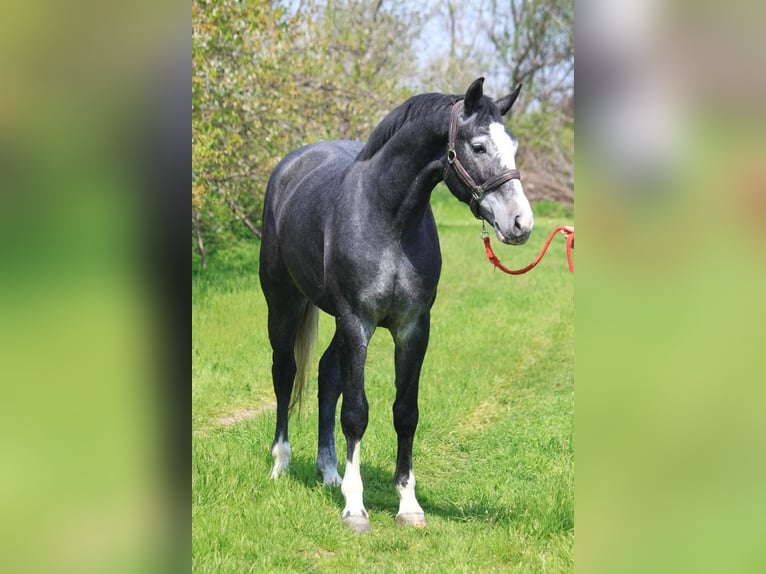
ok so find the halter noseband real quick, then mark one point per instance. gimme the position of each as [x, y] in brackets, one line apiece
[477, 191]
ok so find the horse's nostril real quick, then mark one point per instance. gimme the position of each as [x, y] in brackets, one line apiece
[517, 223]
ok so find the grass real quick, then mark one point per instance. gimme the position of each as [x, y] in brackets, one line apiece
[494, 450]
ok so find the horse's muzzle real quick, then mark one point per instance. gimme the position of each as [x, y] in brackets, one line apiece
[511, 238]
[519, 233]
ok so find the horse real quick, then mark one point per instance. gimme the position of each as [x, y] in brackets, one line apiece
[348, 229]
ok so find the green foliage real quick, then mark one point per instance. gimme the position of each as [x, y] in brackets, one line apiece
[236, 48]
[554, 210]
[266, 82]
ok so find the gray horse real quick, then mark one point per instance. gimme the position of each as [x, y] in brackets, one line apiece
[348, 229]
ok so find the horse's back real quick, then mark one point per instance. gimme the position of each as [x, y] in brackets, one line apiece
[308, 172]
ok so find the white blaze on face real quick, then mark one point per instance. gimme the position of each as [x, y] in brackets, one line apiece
[510, 209]
[504, 146]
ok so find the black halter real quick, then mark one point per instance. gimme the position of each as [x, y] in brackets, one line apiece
[477, 191]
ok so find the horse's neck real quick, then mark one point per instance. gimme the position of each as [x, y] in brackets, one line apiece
[408, 168]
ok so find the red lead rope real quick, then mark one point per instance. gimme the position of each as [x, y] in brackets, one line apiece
[564, 229]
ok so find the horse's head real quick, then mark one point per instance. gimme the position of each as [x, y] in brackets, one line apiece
[481, 165]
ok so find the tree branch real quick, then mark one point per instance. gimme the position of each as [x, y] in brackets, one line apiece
[240, 213]
[198, 235]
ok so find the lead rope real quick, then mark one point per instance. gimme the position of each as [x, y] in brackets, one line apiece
[565, 230]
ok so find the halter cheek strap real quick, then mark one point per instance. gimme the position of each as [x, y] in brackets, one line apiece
[478, 191]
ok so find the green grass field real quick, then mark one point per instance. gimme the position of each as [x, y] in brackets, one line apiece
[493, 455]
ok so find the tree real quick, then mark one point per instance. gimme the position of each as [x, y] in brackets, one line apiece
[533, 43]
[235, 46]
[510, 42]
[267, 80]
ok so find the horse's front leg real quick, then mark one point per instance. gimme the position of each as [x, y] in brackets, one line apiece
[411, 342]
[353, 335]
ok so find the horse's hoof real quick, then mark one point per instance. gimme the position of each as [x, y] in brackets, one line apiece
[278, 471]
[281, 453]
[417, 520]
[331, 479]
[358, 524]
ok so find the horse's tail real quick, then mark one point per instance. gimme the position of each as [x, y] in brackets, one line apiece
[305, 339]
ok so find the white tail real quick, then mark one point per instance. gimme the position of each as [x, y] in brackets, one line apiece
[305, 339]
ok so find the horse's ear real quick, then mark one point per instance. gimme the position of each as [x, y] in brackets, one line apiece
[472, 95]
[504, 104]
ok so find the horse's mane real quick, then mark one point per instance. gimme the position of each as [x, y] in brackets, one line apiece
[417, 107]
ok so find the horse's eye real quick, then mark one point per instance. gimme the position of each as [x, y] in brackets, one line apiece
[478, 148]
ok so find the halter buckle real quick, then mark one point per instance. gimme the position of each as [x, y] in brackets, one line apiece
[451, 155]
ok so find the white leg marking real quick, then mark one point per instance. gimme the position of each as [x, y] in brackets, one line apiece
[281, 454]
[410, 511]
[328, 468]
[354, 512]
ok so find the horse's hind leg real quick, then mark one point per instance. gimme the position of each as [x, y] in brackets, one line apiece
[329, 391]
[283, 324]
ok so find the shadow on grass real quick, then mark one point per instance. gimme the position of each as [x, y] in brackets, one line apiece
[379, 492]
[380, 496]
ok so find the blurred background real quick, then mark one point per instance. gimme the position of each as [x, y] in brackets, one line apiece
[671, 273]
[94, 177]
[94, 163]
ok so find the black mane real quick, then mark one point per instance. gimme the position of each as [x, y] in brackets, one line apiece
[415, 108]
